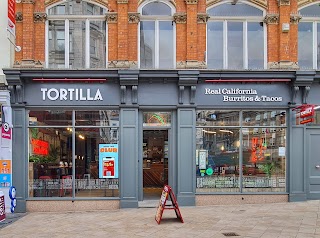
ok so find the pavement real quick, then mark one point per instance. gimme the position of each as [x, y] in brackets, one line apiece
[276, 220]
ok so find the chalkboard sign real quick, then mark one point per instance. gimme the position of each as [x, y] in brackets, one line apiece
[166, 192]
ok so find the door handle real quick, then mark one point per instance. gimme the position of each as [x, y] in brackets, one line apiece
[318, 166]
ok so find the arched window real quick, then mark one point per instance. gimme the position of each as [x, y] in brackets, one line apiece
[235, 37]
[157, 47]
[309, 37]
[76, 35]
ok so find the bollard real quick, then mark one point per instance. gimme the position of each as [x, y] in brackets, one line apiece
[2, 207]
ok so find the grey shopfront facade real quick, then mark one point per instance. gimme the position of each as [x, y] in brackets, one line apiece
[182, 94]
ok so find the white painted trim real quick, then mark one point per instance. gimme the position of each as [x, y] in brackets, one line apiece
[315, 46]
[245, 44]
[46, 44]
[87, 45]
[66, 44]
[156, 45]
[225, 45]
[265, 46]
[107, 44]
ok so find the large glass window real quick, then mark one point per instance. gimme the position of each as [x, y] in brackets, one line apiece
[156, 36]
[234, 42]
[241, 151]
[76, 36]
[73, 153]
[309, 37]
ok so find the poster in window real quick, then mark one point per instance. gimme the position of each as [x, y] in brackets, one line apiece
[108, 161]
[203, 154]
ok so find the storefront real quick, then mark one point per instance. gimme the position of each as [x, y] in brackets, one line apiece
[111, 139]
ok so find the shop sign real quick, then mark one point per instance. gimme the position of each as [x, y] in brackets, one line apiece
[241, 95]
[40, 147]
[108, 161]
[6, 131]
[11, 17]
[71, 94]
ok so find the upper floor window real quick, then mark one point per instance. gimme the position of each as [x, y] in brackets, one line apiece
[309, 37]
[235, 37]
[157, 44]
[76, 35]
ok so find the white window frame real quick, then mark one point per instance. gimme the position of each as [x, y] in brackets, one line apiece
[314, 21]
[66, 19]
[244, 20]
[157, 19]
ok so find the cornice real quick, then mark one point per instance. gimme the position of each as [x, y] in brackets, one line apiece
[112, 17]
[295, 18]
[180, 17]
[39, 17]
[302, 3]
[271, 19]
[260, 3]
[133, 17]
[19, 17]
[202, 18]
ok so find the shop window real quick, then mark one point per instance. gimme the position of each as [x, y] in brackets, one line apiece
[309, 37]
[233, 41]
[158, 119]
[72, 29]
[92, 142]
[157, 47]
[254, 149]
[218, 118]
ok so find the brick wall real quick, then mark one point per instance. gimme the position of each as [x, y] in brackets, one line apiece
[123, 36]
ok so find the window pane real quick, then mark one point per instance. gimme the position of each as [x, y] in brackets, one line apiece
[217, 118]
[264, 161]
[147, 44]
[77, 44]
[50, 166]
[97, 118]
[305, 45]
[264, 118]
[94, 166]
[311, 11]
[74, 8]
[255, 46]
[156, 119]
[166, 45]
[235, 45]
[156, 8]
[238, 9]
[50, 118]
[215, 45]
[217, 160]
[56, 44]
[97, 44]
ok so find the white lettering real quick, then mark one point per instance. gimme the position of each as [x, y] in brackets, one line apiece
[49, 94]
[64, 94]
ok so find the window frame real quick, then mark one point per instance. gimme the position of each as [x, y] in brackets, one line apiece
[157, 19]
[245, 20]
[315, 51]
[66, 18]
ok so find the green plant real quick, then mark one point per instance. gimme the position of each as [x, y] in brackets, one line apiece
[268, 168]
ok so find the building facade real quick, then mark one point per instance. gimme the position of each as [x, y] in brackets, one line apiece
[114, 99]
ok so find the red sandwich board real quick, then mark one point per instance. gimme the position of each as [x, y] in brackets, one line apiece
[166, 192]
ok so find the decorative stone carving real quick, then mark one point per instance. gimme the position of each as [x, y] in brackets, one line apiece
[181, 65]
[294, 92]
[28, 1]
[180, 17]
[305, 94]
[191, 1]
[28, 63]
[122, 1]
[123, 64]
[273, 65]
[283, 65]
[19, 17]
[39, 17]
[112, 17]
[295, 18]
[202, 18]
[133, 17]
[283, 2]
[271, 19]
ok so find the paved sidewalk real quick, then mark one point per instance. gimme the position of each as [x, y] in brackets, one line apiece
[299, 219]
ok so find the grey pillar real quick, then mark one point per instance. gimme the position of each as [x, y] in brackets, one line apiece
[129, 157]
[186, 156]
[19, 156]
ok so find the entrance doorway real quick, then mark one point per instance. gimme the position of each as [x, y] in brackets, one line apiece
[313, 151]
[155, 163]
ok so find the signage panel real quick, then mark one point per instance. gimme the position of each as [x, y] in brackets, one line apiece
[11, 17]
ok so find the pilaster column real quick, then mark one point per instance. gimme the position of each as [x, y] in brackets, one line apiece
[192, 32]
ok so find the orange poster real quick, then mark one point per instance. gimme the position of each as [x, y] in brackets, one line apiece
[5, 167]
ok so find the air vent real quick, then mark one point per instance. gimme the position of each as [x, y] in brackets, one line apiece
[230, 234]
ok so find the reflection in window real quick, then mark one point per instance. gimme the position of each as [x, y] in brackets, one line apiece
[259, 145]
[69, 46]
[309, 37]
[156, 37]
[156, 119]
[235, 44]
[51, 151]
